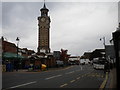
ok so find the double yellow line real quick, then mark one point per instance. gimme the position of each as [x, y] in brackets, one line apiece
[104, 82]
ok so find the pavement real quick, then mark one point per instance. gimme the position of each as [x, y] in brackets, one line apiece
[111, 79]
[49, 69]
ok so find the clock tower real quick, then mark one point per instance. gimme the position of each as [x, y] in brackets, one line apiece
[43, 31]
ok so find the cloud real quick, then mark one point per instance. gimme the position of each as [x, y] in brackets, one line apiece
[74, 26]
[80, 25]
[61, 1]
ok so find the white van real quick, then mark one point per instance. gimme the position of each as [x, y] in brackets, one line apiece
[84, 61]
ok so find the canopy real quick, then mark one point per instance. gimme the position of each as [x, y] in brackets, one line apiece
[12, 55]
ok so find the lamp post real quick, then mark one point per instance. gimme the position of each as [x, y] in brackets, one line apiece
[103, 41]
[17, 39]
[104, 45]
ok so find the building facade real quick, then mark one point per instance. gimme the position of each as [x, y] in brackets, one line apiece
[56, 55]
[43, 31]
[110, 53]
[8, 47]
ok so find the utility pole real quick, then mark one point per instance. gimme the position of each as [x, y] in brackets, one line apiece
[16, 63]
[103, 45]
[103, 41]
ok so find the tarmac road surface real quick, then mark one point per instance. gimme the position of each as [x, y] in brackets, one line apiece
[76, 76]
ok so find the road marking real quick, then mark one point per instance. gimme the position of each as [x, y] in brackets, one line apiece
[64, 85]
[104, 82]
[72, 81]
[85, 74]
[70, 72]
[98, 75]
[23, 84]
[102, 76]
[81, 68]
[78, 78]
[68, 67]
[52, 77]
[93, 75]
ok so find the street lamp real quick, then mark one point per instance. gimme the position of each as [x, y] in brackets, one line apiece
[17, 39]
[103, 41]
[104, 45]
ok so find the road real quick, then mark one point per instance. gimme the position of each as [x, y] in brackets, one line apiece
[76, 76]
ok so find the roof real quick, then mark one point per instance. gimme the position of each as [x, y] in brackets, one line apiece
[44, 8]
[8, 43]
[99, 50]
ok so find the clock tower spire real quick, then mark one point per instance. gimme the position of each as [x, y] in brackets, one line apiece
[43, 30]
[44, 10]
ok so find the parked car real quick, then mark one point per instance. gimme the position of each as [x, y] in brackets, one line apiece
[59, 63]
[84, 61]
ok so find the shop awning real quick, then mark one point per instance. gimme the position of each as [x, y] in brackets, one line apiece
[12, 55]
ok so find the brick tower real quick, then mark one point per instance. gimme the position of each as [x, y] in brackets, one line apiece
[43, 31]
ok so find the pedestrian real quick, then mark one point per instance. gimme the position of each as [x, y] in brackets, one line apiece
[8, 66]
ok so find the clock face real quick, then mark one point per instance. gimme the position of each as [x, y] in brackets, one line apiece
[42, 19]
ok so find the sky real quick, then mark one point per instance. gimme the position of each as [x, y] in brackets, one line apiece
[75, 26]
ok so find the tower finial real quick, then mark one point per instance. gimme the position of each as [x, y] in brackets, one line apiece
[44, 7]
[44, 4]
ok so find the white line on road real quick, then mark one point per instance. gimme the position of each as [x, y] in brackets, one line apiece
[70, 72]
[81, 67]
[78, 78]
[52, 77]
[23, 84]
[64, 85]
[72, 81]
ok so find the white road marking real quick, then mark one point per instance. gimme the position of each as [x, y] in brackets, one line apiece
[78, 78]
[72, 81]
[52, 77]
[23, 84]
[81, 67]
[70, 72]
[64, 85]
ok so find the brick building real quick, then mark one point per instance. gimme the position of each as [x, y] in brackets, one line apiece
[8, 46]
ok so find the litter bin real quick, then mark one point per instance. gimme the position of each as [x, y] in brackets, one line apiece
[43, 67]
[4, 68]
